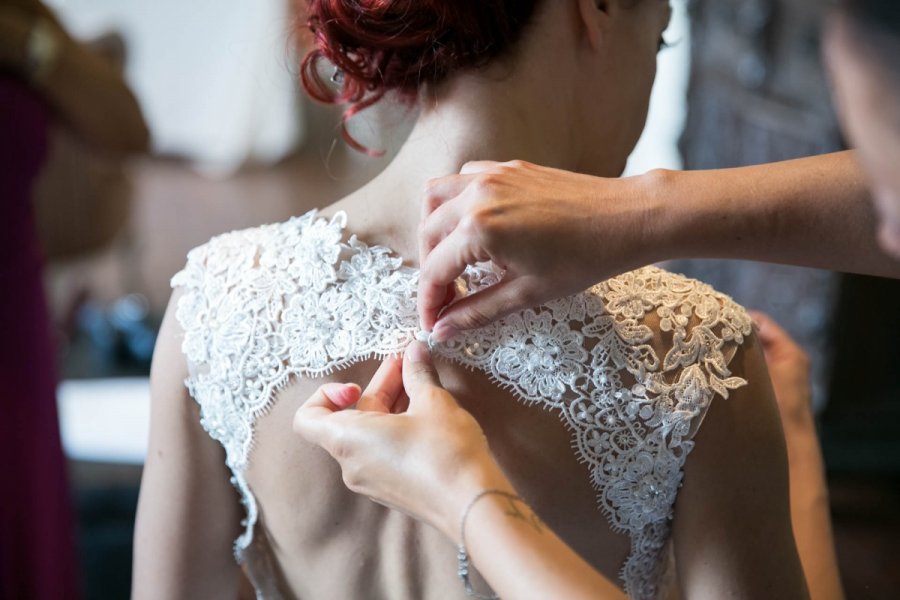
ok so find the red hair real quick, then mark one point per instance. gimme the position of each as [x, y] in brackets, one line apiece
[381, 46]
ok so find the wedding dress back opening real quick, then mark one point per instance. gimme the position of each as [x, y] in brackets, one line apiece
[263, 306]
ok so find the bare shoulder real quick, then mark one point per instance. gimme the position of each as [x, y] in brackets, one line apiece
[731, 523]
[732, 527]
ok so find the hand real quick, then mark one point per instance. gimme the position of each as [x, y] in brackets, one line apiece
[427, 461]
[554, 232]
[789, 368]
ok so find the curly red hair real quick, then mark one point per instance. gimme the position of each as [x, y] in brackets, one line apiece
[381, 46]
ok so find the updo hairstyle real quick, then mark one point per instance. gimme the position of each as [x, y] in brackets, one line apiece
[381, 46]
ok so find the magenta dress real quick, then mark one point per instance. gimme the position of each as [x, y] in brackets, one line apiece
[37, 552]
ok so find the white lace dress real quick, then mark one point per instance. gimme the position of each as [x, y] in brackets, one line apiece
[296, 299]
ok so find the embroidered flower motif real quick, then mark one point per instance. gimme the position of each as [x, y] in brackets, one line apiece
[292, 299]
[540, 357]
[320, 328]
[643, 492]
[629, 296]
[313, 258]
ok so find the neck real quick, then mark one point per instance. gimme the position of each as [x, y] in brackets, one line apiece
[481, 116]
[486, 121]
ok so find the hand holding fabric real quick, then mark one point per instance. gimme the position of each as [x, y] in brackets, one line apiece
[408, 445]
[540, 225]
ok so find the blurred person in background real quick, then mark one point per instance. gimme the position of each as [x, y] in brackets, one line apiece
[47, 79]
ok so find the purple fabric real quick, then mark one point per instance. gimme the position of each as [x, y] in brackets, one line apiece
[37, 558]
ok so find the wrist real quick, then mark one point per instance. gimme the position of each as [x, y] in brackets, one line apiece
[665, 220]
[483, 475]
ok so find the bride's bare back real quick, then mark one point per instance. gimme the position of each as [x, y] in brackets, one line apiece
[314, 539]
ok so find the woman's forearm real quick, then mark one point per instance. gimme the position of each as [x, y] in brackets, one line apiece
[516, 553]
[810, 515]
[812, 212]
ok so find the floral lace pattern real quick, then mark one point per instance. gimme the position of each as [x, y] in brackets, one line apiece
[293, 300]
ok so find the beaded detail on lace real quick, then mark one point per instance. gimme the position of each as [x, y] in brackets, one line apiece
[292, 299]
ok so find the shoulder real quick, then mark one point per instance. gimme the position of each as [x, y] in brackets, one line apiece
[686, 321]
[677, 300]
[235, 254]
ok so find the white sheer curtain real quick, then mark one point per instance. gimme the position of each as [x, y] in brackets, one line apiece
[216, 78]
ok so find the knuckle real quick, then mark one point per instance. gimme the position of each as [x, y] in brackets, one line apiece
[421, 370]
[480, 221]
[341, 447]
[485, 183]
[432, 198]
[469, 224]
[352, 478]
[473, 318]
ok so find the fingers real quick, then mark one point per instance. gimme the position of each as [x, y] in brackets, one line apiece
[485, 307]
[773, 336]
[478, 166]
[440, 190]
[384, 389]
[311, 420]
[445, 263]
[439, 223]
[420, 379]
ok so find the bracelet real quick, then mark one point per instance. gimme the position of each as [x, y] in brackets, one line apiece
[462, 555]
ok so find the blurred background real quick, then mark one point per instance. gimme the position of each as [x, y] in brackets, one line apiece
[234, 143]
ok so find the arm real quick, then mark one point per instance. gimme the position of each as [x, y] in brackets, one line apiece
[87, 90]
[780, 212]
[430, 462]
[188, 513]
[810, 511]
[732, 529]
[557, 232]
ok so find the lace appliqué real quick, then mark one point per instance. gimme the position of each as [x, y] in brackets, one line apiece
[291, 299]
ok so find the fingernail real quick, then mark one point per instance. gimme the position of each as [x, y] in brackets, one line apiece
[342, 394]
[443, 332]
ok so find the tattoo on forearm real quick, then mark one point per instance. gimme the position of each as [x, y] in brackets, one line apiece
[514, 512]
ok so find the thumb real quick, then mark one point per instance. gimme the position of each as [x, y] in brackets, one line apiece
[420, 379]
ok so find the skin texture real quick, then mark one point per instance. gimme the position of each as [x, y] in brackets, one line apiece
[556, 231]
[184, 487]
[540, 104]
[373, 445]
[730, 538]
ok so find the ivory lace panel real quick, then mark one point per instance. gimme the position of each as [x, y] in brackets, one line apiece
[293, 299]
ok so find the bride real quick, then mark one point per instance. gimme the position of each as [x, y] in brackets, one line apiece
[592, 405]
